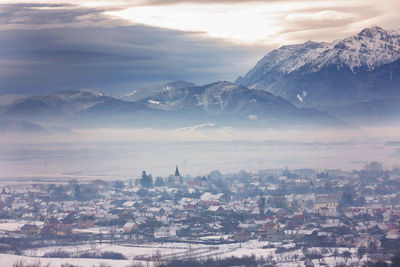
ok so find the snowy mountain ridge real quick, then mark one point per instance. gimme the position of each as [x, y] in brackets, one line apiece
[371, 48]
[223, 103]
[317, 74]
[214, 97]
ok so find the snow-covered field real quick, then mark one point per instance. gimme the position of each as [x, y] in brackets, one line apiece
[143, 253]
[11, 225]
[14, 225]
[7, 260]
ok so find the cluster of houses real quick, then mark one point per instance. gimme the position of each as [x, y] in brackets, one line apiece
[330, 209]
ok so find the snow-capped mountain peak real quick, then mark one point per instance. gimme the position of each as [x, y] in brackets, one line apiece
[370, 48]
[331, 73]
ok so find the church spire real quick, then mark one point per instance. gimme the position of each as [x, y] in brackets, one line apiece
[177, 171]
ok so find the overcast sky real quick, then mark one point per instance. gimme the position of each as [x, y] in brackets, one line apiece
[117, 45]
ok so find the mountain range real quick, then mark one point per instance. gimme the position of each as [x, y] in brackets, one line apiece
[359, 68]
[222, 103]
[354, 81]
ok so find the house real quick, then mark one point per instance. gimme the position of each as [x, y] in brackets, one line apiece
[242, 235]
[64, 230]
[128, 204]
[86, 223]
[50, 227]
[30, 229]
[326, 204]
[211, 197]
[69, 220]
[270, 231]
[216, 209]
[393, 235]
[193, 184]
[19, 204]
[162, 232]
[156, 211]
[130, 226]
[366, 242]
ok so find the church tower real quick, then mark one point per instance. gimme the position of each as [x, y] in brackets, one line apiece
[177, 176]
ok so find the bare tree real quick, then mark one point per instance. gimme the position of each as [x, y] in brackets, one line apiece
[158, 260]
[346, 255]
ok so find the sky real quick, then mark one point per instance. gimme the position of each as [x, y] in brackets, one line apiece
[117, 46]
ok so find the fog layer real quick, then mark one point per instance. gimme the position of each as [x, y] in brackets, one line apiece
[122, 153]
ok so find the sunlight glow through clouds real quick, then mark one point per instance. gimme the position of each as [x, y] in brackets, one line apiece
[249, 23]
[272, 22]
[319, 16]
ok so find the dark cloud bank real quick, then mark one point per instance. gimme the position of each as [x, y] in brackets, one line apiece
[44, 50]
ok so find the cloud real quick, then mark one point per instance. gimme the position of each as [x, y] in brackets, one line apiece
[115, 59]
[325, 15]
[264, 22]
[254, 21]
[118, 45]
[44, 16]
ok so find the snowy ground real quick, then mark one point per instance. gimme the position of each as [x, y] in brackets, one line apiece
[167, 250]
[143, 253]
[13, 225]
[7, 260]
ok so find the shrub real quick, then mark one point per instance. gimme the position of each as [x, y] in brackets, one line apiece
[104, 255]
[232, 261]
[57, 254]
[112, 255]
[22, 263]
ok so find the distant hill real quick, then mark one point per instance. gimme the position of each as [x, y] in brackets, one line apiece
[223, 100]
[223, 103]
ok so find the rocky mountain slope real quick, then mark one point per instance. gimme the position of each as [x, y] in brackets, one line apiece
[362, 67]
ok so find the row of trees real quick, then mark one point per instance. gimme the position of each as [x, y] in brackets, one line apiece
[147, 180]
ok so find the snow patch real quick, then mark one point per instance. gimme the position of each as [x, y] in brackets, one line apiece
[154, 102]
[131, 93]
[168, 88]
[300, 98]
[191, 128]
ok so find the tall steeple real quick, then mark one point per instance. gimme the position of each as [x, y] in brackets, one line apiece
[177, 176]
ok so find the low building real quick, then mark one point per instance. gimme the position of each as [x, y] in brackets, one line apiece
[129, 227]
[326, 204]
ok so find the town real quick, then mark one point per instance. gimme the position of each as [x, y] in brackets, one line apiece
[275, 217]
